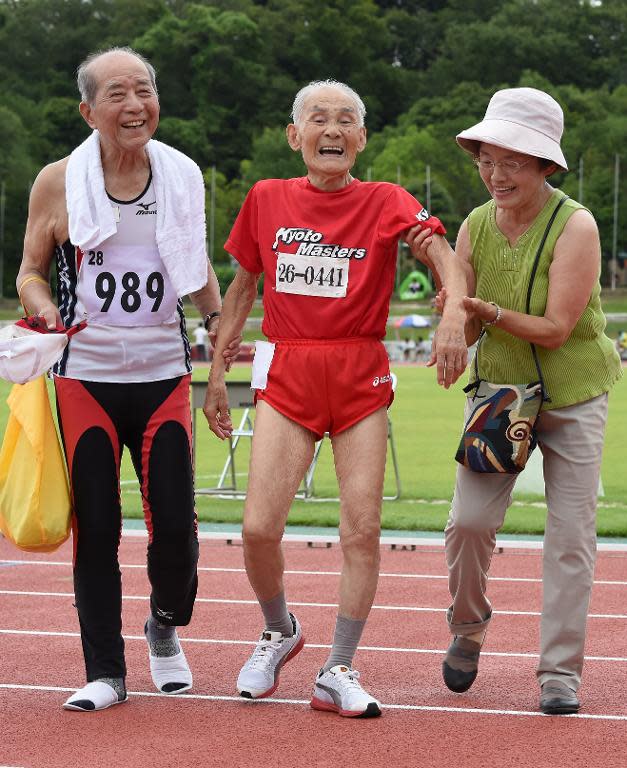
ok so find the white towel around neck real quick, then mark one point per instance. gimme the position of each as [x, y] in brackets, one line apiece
[180, 195]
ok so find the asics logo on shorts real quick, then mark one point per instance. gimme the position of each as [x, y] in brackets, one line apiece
[381, 379]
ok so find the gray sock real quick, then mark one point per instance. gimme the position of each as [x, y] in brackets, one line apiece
[277, 616]
[345, 641]
[117, 683]
[161, 638]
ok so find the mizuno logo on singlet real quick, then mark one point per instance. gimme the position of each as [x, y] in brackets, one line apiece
[145, 209]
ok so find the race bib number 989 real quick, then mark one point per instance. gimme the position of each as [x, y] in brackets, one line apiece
[126, 287]
[312, 275]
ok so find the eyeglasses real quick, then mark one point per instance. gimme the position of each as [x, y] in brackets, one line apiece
[509, 166]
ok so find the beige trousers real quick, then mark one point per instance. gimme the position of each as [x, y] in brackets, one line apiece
[571, 441]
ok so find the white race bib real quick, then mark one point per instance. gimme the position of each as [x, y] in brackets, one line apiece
[312, 275]
[126, 286]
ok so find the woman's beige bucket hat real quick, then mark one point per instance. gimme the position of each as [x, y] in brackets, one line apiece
[521, 119]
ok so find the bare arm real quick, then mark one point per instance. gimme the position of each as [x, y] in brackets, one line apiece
[572, 276]
[449, 351]
[238, 302]
[46, 226]
[207, 299]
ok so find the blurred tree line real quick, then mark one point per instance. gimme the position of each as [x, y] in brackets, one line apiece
[227, 72]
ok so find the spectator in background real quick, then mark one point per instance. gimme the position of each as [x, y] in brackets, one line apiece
[201, 339]
[409, 349]
[414, 287]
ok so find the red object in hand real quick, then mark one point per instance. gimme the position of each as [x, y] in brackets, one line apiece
[38, 323]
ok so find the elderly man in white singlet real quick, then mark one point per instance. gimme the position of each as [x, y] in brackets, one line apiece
[123, 217]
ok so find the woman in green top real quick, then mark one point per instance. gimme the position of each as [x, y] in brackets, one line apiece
[516, 148]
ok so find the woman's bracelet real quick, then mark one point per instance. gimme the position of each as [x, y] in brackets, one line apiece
[499, 314]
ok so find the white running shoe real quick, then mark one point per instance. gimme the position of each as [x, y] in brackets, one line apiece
[259, 677]
[338, 690]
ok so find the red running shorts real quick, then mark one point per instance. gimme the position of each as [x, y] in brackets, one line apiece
[328, 385]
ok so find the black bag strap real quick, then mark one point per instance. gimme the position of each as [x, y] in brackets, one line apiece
[534, 269]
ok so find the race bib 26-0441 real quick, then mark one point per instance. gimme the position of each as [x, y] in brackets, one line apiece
[312, 275]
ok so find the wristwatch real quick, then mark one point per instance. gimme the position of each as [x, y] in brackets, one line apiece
[209, 318]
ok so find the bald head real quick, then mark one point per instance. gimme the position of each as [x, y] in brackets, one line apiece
[87, 72]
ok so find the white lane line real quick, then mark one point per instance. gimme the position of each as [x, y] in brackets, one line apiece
[383, 574]
[305, 702]
[324, 646]
[232, 601]
[428, 542]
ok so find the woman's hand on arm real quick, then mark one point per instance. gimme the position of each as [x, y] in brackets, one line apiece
[238, 302]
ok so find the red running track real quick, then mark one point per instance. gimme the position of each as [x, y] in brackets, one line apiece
[496, 723]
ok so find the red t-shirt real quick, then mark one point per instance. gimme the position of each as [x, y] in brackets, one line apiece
[329, 257]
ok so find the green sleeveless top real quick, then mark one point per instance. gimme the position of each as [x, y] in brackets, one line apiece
[587, 364]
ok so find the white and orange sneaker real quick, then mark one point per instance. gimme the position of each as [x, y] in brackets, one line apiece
[338, 690]
[259, 676]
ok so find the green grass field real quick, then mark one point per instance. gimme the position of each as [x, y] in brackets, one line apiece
[426, 422]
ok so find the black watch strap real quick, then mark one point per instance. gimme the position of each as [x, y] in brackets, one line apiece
[209, 318]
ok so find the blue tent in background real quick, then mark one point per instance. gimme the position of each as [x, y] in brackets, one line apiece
[412, 321]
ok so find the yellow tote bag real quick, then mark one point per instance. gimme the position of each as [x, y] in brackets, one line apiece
[35, 509]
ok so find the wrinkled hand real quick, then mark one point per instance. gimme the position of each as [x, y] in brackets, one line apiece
[479, 308]
[449, 352]
[231, 351]
[216, 408]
